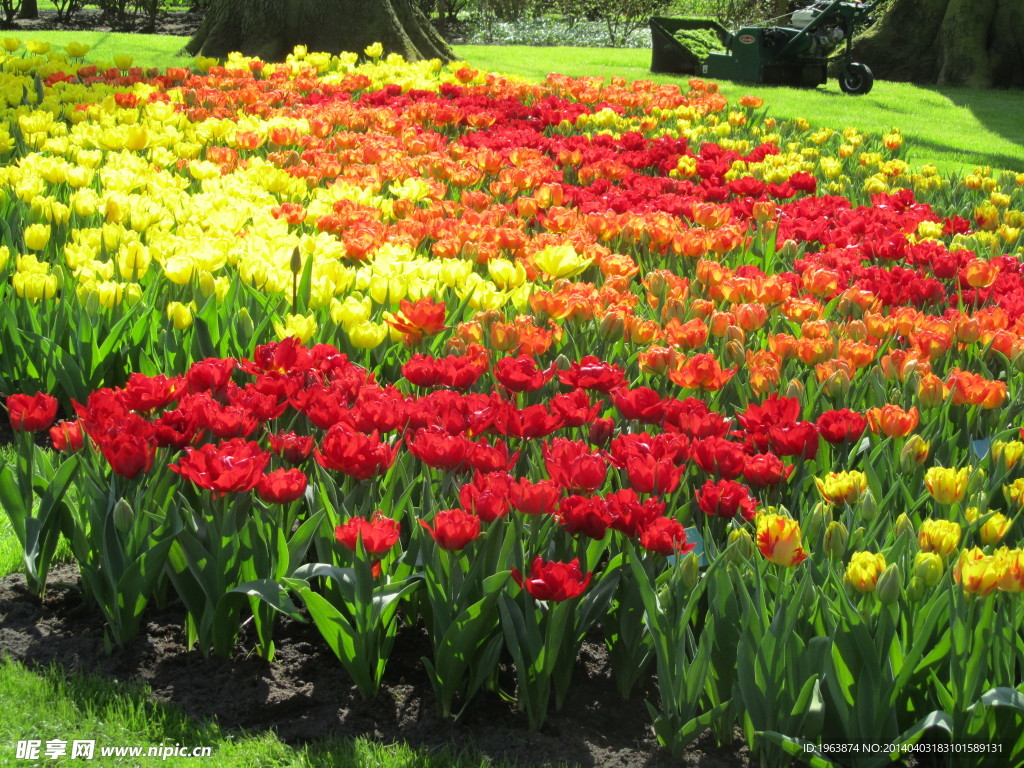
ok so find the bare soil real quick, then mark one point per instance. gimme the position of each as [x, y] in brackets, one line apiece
[178, 23]
[305, 694]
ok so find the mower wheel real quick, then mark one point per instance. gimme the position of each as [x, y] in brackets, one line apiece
[856, 79]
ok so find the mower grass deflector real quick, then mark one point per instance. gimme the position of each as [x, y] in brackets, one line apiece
[795, 55]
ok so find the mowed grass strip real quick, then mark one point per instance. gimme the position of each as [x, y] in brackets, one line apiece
[47, 704]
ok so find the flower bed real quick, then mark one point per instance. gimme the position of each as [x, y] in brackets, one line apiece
[526, 361]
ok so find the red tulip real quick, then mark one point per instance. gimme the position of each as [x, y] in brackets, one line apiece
[592, 373]
[147, 393]
[355, 454]
[129, 454]
[588, 515]
[842, 426]
[571, 464]
[553, 580]
[233, 466]
[648, 474]
[665, 536]
[210, 375]
[378, 534]
[487, 495]
[291, 447]
[764, 469]
[642, 404]
[67, 436]
[282, 486]
[721, 457]
[31, 413]
[725, 498]
[453, 528]
[521, 374]
[534, 498]
[626, 513]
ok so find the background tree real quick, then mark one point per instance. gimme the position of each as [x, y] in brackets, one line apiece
[978, 43]
[271, 28]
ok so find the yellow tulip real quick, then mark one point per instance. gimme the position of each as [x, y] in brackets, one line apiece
[123, 61]
[300, 326]
[367, 335]
[374, 51]
[561, 261]
[864, 569]
[778, 538]
[993, 529]
[506, 274]
[37, 236]
[179, 269]
[1010, 567]
[77, 50]
[34, 285]
[1007, 452]
[179, 314]
[940, 536]
[976, 572]
[37, 47]
[839, 487]
[351, 311]
[947, 486]
[10, 44]
[1014, 493]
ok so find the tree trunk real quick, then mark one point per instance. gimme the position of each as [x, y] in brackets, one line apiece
[29, 9]
[270, 29]
[977, 43]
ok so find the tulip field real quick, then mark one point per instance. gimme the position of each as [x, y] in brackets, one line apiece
[368, 343]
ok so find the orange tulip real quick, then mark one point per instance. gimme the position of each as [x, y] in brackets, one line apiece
[893, 421]
[702, 372]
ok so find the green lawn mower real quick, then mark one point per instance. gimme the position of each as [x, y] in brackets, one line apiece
[796, 55]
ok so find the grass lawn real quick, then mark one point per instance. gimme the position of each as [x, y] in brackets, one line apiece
[46, 705]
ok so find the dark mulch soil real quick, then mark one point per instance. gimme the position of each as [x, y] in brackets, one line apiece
[91, 20]
[305, 694]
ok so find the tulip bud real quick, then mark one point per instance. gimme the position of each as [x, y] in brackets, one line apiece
[916, 591]
[296, 263]
[562, 363]
[689, 573]
[600, 433]
[889, 585]
[837, 537]
[795, 389]
[914, 454]
[613, 327]
[207, 286]
[741, 546]
[928, 568]
[837, 385]
[736, 334]
[246, 327]
[976, 481]
[903, 527]
[857, 538]
[674, 308]
[734, 354]
[124, 516]
[789, 250]
[815, 522]
[868, 506]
